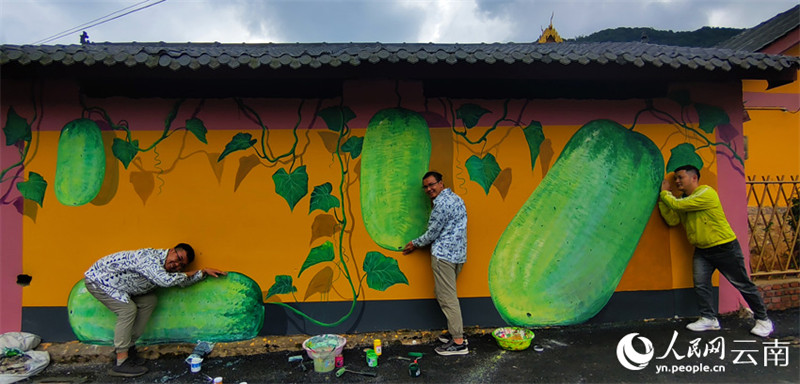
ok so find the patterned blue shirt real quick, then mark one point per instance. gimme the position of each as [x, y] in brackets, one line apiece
[131, 273]
[447, 228]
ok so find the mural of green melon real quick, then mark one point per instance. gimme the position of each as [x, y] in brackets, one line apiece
[561, 257]
[222, 309]
[81, 163]
[395, 155]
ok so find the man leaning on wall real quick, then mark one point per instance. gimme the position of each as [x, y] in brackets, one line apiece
[124, 282]
[447, 232]
[716, 247]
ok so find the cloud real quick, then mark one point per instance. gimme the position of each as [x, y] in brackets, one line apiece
[446, 21]
[389, 21]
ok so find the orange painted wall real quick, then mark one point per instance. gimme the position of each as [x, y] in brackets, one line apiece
[230, 213]
[773, 131]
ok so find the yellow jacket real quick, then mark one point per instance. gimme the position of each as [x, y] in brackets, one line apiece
[701, 214]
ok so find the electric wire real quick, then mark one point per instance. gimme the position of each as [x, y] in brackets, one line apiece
[100, 20]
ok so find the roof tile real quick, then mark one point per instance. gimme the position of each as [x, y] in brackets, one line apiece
[194, 56]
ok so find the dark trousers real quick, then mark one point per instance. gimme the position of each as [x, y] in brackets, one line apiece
[729, 260]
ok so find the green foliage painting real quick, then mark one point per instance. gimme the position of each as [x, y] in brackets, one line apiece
[80, 165]
[380, 271]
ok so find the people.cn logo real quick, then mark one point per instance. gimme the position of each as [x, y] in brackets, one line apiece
[629, 357]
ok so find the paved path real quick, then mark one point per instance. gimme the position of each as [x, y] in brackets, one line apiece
[575, 354]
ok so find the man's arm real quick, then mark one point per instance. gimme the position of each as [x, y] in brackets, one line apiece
[436, 224]
[670, 216]
[701, 199]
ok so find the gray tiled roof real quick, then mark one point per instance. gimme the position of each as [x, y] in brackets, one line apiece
[758, 37]
[182, 56]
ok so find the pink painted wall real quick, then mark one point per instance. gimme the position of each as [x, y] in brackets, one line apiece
[10, 244]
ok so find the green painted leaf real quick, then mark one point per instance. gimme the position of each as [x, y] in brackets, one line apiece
[534, 136]
[710, 117]
[239, 142]
[292, 187]
[382, 272]
[318, 255]
[353, 146]
[172, 115]
[483, 171]
[683, 154]
[470, 114]
[283, 284]
[125, 151]
[336, 117]
[34, 188]
[197, 127]
[17, 128]
[322, 199]
[681, 97]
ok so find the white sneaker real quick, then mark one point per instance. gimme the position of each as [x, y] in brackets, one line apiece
[763, 328]
[703, 324]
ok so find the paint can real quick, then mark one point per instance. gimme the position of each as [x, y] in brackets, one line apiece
[339, 361]
[218, 380]
[372, 358]
[413, 369]
[377, 344]
[194, 362]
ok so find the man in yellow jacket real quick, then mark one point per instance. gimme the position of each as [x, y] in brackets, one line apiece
[716, 247]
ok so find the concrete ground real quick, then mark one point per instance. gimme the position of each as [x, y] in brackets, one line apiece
[570, 354]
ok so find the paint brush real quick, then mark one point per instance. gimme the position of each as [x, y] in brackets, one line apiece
[342, 370]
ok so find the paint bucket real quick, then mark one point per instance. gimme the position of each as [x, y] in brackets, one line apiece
[323, 350]
[194, 362]
[324, 362]
[372, 358]
[413, 369]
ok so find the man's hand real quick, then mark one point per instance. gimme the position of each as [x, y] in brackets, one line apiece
[409, 248]
[208, 272]
[666, 185]
[214, 272]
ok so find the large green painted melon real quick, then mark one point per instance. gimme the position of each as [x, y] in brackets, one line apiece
[560, 259]
[395, 155]
[227, 308]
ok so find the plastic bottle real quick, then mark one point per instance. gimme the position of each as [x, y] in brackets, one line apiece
[377, 345]
[218, 380]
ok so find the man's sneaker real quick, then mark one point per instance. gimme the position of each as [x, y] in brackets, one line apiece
[704, 324]
[446, 338]
[763, 328]
[452, 348]
[134, 357]
[127, 369]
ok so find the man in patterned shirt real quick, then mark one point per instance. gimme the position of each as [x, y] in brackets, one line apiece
[124, 282]
[447, 232]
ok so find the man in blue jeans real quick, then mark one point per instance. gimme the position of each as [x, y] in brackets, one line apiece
[715, 244]
[447, 232]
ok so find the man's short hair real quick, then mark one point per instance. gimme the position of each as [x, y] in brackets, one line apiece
[189, 251]
[436, 175]
[689, 169]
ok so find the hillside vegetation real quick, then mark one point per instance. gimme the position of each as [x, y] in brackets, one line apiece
[703, 37]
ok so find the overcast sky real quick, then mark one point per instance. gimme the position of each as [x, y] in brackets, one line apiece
[387, 21]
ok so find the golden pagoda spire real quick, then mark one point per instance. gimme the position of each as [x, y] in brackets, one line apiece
[550, 35]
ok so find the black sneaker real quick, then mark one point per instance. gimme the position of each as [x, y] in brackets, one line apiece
[134, 357]
[446, 338]
[127, 369]
[452, 348]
